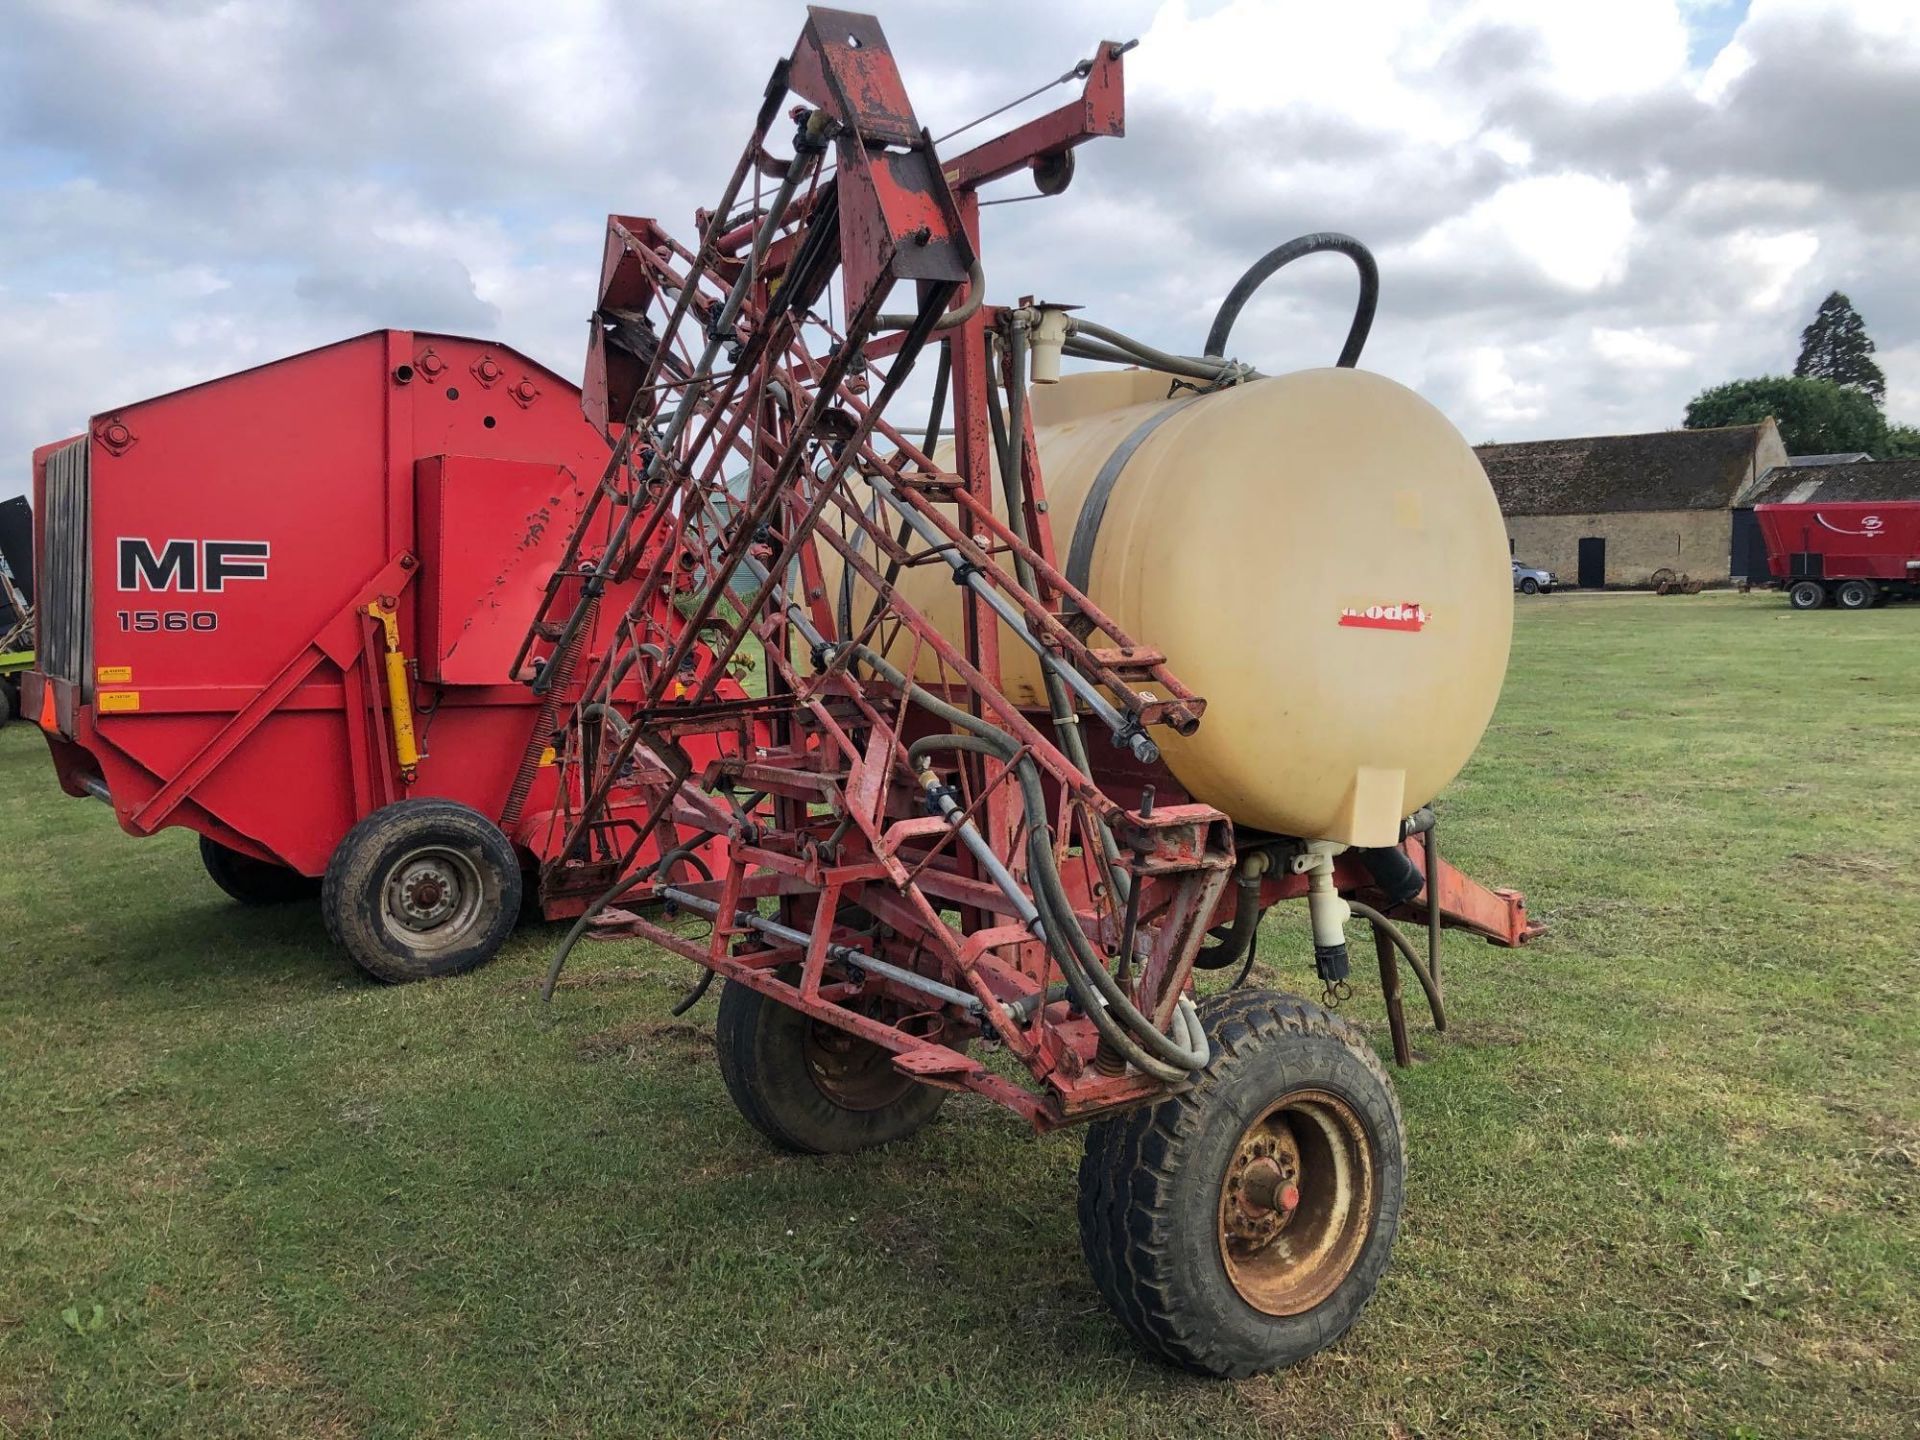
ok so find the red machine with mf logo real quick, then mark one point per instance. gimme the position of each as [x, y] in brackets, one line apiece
[280, 609]
[1856, 553]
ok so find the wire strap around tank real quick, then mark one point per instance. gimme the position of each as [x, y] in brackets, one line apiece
[1086, 530]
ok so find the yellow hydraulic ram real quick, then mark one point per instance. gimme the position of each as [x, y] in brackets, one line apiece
[405, 749]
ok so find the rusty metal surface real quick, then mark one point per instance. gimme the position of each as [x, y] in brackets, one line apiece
[1296, 1203]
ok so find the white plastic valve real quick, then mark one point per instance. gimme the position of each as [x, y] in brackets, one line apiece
[1048, 336]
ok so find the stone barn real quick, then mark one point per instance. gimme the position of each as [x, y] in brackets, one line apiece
[1612, 509]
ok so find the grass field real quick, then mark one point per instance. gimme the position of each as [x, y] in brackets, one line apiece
[1663, 1173]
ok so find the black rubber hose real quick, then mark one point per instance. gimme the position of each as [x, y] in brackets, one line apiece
[1079, 962]
[1246, 968]
[1246, 920]
[1066, 720]
[1064, 937]
[1386, 927]
[692, 997]
[1263, 269]
[1398, 877]
[1433, 903]
[1088, 335]
[614, 892]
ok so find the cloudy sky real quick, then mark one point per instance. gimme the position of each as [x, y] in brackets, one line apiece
[1584, 212]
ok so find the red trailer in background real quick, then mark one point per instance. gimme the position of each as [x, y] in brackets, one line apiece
[280, 609]
[1857, 553]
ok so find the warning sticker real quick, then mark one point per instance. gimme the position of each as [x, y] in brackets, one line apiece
[112, 702]
[113, 675]
[1407, 615]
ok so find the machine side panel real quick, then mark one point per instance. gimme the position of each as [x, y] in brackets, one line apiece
[491, 532]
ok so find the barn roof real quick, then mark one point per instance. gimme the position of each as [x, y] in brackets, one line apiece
[1864, 480]
[1667, 470]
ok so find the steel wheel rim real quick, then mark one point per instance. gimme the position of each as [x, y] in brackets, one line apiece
[1296, 1202]
[433, 897]
[854, 1074]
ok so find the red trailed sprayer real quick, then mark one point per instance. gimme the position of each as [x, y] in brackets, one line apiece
[1054, 711]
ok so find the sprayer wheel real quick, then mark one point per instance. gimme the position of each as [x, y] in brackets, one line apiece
[251, 881]
[809, 1086]
[422, 888]
[1242, 1225]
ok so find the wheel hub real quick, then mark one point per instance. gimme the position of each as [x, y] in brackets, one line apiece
[426, 891]
[1261, 1184]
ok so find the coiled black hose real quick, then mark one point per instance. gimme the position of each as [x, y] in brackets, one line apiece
[1263, 269]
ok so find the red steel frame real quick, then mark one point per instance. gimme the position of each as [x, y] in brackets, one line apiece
[754, 370]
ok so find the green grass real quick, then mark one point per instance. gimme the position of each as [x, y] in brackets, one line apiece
[1663, 1169]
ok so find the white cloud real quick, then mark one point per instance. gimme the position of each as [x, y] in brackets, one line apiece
[1733, 61]
[1247, 57]
[1573, 230]
[1639, 349]
[1592, 51]
[1770, 263]
[1495, 393]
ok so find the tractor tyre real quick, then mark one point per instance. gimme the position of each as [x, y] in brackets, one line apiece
[251, 881]
[809, 1086]
[9, 699]
[1856, 595]
[1807, 595]
[1243, 1224]
[422, 888]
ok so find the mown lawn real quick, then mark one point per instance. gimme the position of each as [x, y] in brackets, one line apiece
[1663, 1169]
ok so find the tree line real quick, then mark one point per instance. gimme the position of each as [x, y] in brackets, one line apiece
[1831, 404]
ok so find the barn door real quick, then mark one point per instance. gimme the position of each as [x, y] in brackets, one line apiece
[1593, 562]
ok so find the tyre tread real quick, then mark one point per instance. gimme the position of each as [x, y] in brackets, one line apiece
[348, 910]
[751, 1036]
[1127, 1220]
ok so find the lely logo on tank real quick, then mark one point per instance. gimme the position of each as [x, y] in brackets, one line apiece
[1407, 615]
